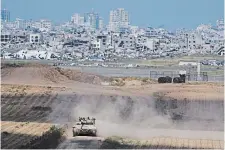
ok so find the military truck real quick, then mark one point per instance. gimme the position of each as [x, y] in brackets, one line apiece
[85, 126]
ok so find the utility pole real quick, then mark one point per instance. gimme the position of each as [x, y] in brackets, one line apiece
[111, 37]
[114, 48]
[198, 69]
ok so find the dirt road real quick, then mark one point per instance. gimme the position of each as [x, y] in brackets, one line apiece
[181, 137]
[82, 142]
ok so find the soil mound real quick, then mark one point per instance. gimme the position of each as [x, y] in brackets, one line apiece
[44, 74]
[82, 77]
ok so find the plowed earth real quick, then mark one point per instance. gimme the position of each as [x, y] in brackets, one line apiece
[34, 97]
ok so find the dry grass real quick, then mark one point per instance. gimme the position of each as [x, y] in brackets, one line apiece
[161, 143]
[131, 81]
[20, 123]
[205, 83]
[205, 91]
[28, 89]
[17, 134]
[117, 82]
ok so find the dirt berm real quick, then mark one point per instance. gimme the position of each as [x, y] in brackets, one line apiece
[44, 74]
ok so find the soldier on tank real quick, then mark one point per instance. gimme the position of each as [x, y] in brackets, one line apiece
[82, 122]
[82, 118]
[88, 120]
[93, 119]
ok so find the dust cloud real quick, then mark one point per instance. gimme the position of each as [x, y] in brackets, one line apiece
[121, 116]
[137, 117]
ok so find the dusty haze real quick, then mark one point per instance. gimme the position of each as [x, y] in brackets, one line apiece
[141, 117]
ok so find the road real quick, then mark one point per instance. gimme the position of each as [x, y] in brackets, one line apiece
[81, 142]
[84, 142]
[132, 72]
[136, 72]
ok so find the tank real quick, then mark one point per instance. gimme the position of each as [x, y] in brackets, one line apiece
[85, 127]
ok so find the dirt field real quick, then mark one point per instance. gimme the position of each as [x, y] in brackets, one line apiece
[34, 98]
[161, 143]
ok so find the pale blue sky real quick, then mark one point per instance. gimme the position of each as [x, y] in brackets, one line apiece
[170, 13]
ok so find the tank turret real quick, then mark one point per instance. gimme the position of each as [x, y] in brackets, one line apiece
[85, 126]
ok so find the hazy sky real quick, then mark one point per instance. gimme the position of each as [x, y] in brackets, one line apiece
[170, 13]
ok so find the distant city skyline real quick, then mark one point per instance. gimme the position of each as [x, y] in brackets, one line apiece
[171, 14]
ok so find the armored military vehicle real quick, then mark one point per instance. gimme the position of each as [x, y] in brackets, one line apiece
[85, 126]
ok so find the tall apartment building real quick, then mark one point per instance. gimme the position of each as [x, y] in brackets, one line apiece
[93, 20]
[20, 23]
[5, 15]
[118, 20]
[77, 19]
[101, 23]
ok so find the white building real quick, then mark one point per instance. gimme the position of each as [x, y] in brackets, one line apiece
[187, 63]
[36, 38]
[220, 24]
[151, 32]
[42, 25]
[150, 44]
[195, 41]
[101, 24]
[118, 20]
[96, 45]
[11, 25]
[203, 27]
[5, 37]
[77, 19]
[20, 23]
[127, 41]
[28, 24]
[93, 18]
[46, 24]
